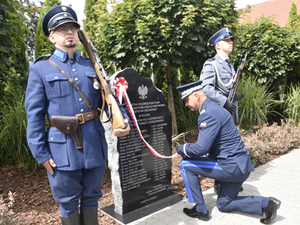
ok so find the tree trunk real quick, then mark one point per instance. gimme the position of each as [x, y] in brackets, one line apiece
[171, 100]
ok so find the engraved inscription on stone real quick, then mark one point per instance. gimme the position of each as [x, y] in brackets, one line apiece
[145, 178]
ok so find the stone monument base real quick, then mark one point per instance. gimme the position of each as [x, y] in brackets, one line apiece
[142, 212]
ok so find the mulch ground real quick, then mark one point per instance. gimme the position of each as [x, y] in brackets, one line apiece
[34, 203]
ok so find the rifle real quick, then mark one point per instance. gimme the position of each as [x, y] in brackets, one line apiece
[232, 93]
[115, 115]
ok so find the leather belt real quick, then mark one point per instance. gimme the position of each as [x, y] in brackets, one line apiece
[84, 117]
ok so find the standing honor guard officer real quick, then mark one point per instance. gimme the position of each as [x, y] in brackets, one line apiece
[73, 149]
[219, 153]
[217, 76]
[217, 72]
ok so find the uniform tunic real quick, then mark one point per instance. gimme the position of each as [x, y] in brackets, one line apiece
[212, 88]
[219, 153]
[49, 92]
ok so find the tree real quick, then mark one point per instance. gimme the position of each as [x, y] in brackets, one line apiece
[165, 33]
[6, 46]
[94, 10]
[273, 52]
[294, 18]
[13, 72]
[29, 13]
[13, 63]
[43, 45]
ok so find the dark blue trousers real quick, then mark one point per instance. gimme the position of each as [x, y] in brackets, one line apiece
[69, 186]
[230, 184]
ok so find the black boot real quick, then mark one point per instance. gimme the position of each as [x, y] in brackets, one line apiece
[217, 186]
[74, 219]
[271, 210]
[89, 216]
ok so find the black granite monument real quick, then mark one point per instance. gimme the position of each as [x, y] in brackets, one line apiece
[145, 179]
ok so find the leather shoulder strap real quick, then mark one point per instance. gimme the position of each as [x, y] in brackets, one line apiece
[73, 83]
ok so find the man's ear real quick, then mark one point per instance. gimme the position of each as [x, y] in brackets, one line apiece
[51, 38]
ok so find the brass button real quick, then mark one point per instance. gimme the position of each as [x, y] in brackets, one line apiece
[56, 77]
[82, 110]
[51, 138]
[74, 70]
[76, 79]
[80, 99]
[72, 61]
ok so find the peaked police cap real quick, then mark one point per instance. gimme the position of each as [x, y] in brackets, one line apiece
[57, 16]
[187, 89]
[221, 35]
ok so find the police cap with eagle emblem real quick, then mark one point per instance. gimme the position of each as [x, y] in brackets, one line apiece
[221, 35]
[57, 16]
[189, 88]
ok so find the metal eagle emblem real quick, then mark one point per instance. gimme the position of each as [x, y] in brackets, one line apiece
[143, 91]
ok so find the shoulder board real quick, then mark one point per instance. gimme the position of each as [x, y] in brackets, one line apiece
[211, 59]
[42, 58]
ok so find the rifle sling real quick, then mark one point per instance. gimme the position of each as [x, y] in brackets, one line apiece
[73, 83]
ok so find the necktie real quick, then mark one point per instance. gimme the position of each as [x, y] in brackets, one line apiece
[229, 64]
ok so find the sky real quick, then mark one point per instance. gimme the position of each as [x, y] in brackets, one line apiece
[78, 6]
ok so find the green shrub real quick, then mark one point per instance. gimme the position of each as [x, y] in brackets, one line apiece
[292, 104]
[13, 143]
[257, 105]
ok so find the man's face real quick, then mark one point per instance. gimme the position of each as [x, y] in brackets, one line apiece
[65, 36]
[226, 46]
[191, 102]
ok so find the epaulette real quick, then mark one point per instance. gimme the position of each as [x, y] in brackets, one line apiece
[42, 58]
[211, 59]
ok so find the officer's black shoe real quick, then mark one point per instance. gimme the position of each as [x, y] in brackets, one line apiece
[195, 214]
[217, 188]
[241, 189]
[271, 210]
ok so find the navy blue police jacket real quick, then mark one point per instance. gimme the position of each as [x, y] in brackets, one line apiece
[218, 138]
[50, 93]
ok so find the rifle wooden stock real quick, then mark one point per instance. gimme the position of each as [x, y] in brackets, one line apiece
[115, 115]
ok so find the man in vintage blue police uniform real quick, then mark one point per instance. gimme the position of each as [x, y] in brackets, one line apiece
[74, 172]
[217, 75]
[219, 153]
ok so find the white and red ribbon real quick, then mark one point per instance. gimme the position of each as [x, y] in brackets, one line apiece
[121, 86]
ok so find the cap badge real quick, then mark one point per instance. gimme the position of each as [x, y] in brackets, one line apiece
[64, 8]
